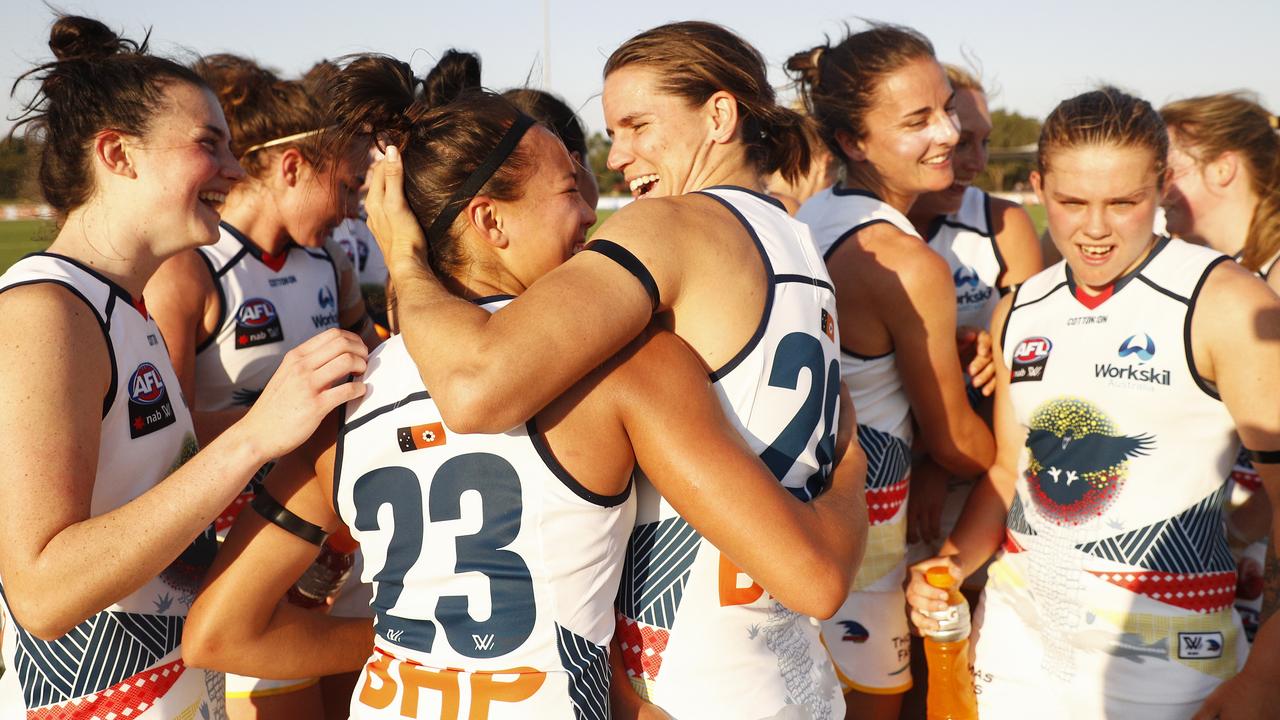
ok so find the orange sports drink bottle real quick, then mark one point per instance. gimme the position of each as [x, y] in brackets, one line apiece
[951, 694]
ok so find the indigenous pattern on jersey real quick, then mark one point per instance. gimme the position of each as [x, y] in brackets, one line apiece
[494, 570]
[966, 239]
[269, 304]
[879, 659]
[698, 636]
[1116, 573]
[124, 661]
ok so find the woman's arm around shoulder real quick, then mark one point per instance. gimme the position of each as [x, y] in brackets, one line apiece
[490, 372]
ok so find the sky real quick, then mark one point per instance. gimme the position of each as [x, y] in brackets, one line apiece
[1030, 54]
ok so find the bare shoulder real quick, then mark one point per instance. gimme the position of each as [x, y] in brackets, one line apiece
[889, 258]
[655, 218]
[656, 365]
[38, 322]
[1233, 295]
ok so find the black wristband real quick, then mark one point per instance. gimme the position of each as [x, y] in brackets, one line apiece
[631, 264]
[1263, 457]
[271, 509]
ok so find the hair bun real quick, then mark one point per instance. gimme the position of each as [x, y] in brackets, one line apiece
[805, 66]
[456, 73]
[81, 38]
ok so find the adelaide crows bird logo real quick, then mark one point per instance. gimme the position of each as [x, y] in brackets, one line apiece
[1079, 461]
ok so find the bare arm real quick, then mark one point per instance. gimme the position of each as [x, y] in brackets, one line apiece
[980, 529]
[805, 554]
[241, 621]
[95, 560]
[1236, 339]
[1017, 241]
[489, 372]
[183, 301]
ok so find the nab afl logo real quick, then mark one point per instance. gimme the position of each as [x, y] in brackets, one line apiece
[146, 387]
[1030, 358]
[256, 312]
[149, 406]
[257, 324]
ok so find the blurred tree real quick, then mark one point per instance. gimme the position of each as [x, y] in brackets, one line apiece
[610, 181]
[1009, 129]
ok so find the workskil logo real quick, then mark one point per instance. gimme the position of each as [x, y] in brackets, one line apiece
[257, 323]
[1140, 347]
[1144, 349]
[965, 275]
[969, 288]
[1030, 358]
[325, 297]
[149, 406]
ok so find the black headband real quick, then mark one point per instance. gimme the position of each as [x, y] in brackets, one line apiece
[478, 178]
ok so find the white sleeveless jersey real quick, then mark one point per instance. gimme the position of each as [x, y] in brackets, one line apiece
[1116, 573]
[494, 570]
[124, 661]
[884, 412]
[967, 241]
[698, 636]
[269, 305]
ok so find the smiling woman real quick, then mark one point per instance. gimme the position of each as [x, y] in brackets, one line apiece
[115, 533]
[695, 127]
[887, 111]
[230, 312]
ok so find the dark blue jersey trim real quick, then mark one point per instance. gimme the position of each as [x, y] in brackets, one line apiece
[850, 233]
[111, 284]
[214, 275]
[1204, 385]
[724, 370]
[410, 398]
[767, 198]
[482, 301]
[549, 459]
[847, 191]
[803, 280]
[1119, 283]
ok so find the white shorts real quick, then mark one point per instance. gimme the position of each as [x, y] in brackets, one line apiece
[870, 643]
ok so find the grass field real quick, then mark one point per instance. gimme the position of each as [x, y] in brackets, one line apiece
[19, 237]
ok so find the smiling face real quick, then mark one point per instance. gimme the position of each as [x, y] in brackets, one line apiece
[1101, 204]
[550, 219]
[970, 157]
[186, 169]
[658, 138]
[910, 133]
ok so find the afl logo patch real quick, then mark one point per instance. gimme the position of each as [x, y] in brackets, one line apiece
[257, 323]
[149, 406]
[1029, 359]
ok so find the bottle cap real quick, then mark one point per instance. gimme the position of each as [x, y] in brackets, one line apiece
[939, 577]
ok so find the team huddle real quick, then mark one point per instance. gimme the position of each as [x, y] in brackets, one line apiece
[696, 465]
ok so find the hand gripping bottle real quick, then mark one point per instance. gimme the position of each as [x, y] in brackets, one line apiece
[328, 573]
[951, 694]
